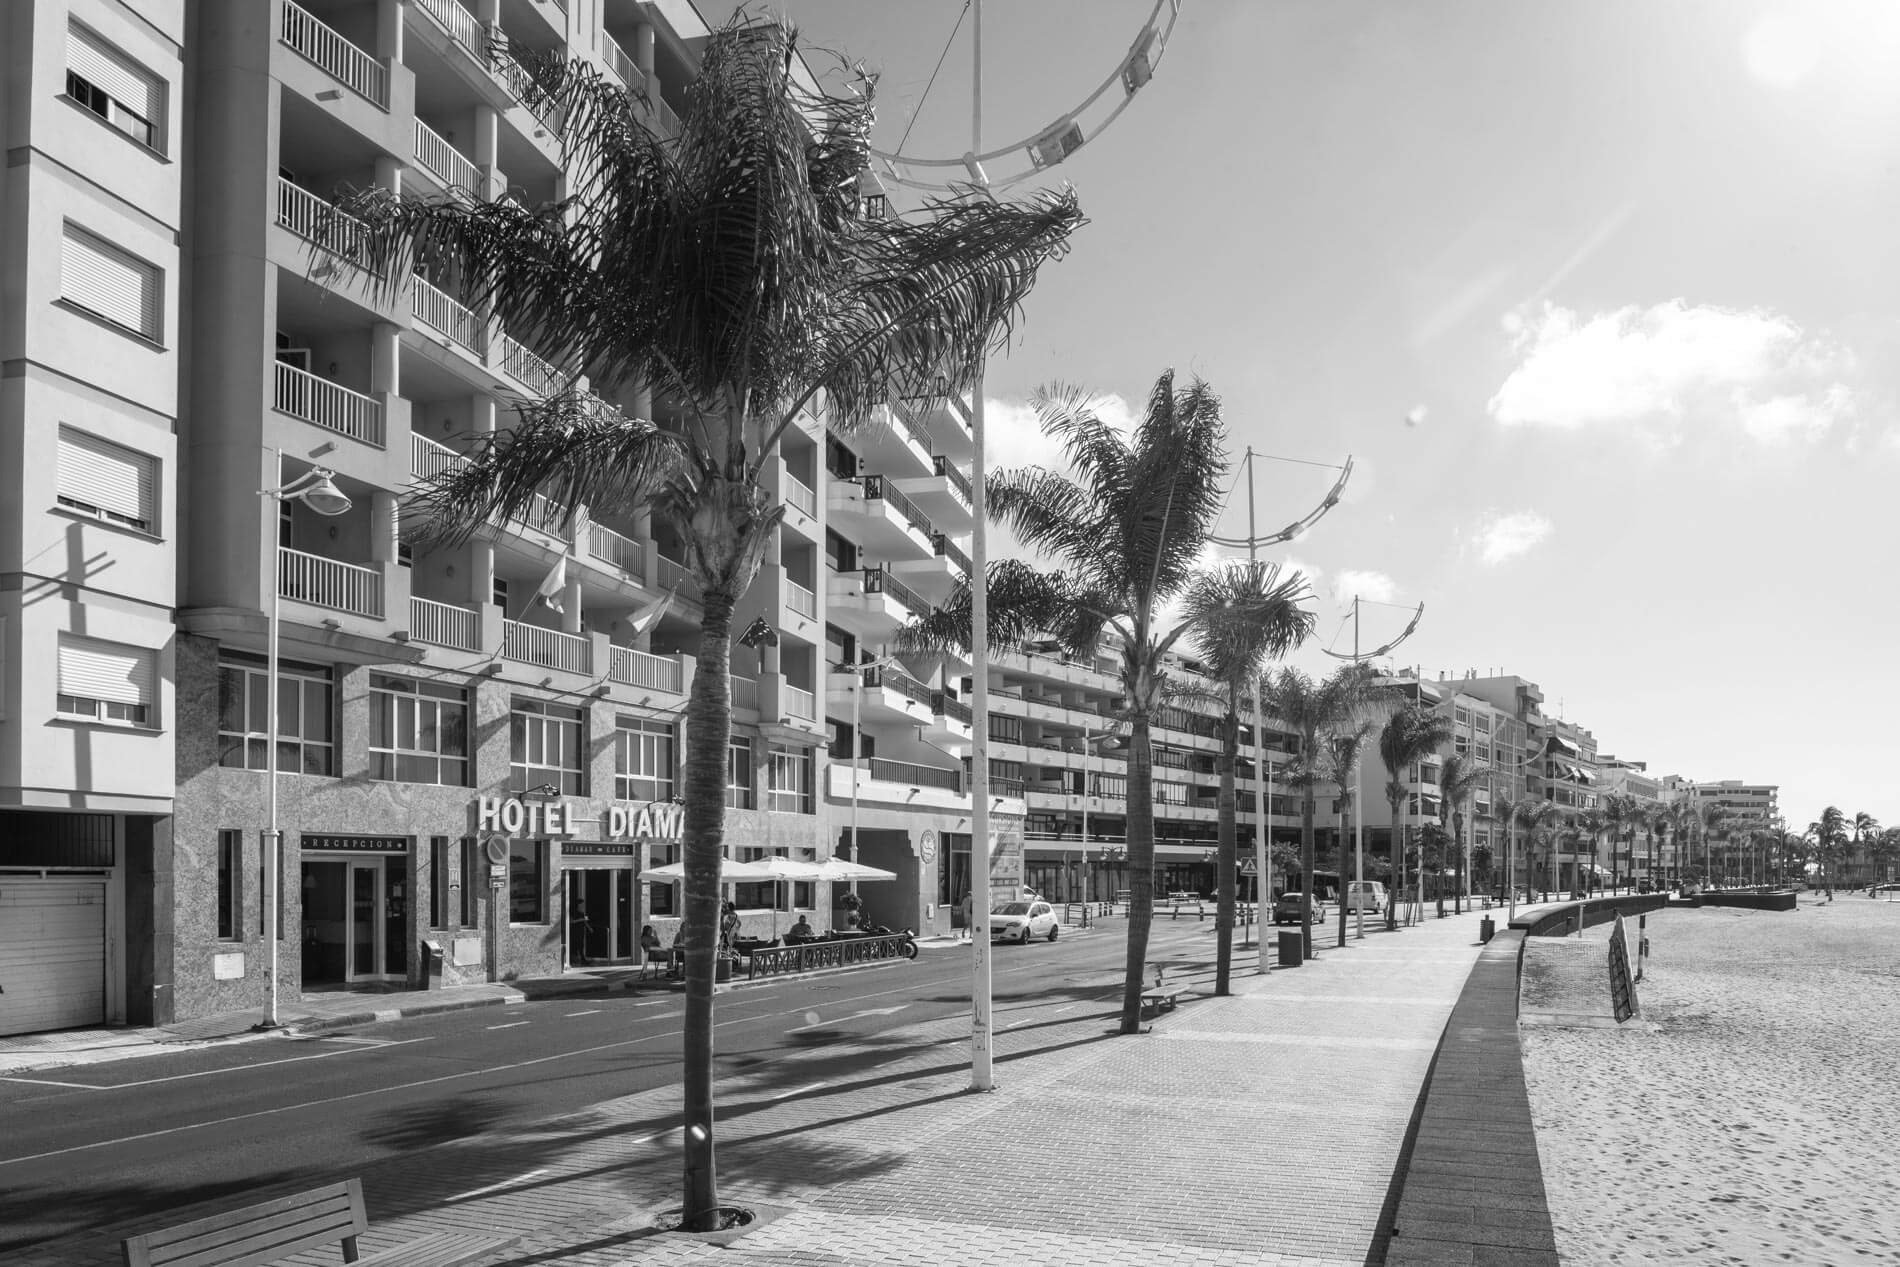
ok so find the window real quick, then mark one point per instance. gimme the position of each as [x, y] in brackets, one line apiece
[527, 881]
[546, 746]
[107, 682]
[473, 863]
[791, 781]
[114, 87]
[110, 284]
[102, 479]
[739, 774]
[644, 768]
[230, 886]
[1111, 785]
[499, 592]
[755, 896]
[439, 873]
[306, 741]
[418, 732]
[1006, 729]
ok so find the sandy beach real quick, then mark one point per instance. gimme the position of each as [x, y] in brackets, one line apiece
[1752, 1113]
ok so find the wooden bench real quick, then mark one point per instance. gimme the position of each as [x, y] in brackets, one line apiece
[1160, 996]
[274, 1230]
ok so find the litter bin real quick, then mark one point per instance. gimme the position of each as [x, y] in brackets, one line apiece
[1486, 928]
[1292, 950]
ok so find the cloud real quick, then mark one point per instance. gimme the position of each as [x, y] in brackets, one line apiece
[1501, 537]
[1375, 587]
[1013, 437]
[1675, 365]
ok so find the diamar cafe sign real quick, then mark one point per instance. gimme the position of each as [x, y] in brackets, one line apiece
[661, 821]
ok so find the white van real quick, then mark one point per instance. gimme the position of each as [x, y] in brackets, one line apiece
[1365, 895]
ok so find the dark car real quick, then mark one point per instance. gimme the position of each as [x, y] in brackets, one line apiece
[1286, 908]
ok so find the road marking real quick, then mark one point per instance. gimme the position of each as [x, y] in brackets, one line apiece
[48, 1082]
[509, 1025]
[589, 1012]
[494, 1187]
[786, 1095]
[206, 1073]
[839, 1020]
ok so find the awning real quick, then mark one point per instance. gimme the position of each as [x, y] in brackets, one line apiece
[729, 872]
[844, 869]
[1585, 776]
[1561, 748]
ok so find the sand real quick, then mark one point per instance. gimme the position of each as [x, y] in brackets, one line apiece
[1751, 1114]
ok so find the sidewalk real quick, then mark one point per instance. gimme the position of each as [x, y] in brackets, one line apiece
[1265, 1127]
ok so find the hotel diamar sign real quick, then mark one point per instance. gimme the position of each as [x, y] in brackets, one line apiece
[661, 821]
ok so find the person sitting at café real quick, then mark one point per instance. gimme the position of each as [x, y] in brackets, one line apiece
[800, 932]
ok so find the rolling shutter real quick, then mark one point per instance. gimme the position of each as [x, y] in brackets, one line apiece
[126, 84]
[107, 477]
[107, 671]
[52, 953]
[103, 279]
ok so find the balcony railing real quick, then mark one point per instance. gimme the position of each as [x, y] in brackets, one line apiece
[913, 775]
[427, 459]
[799, 702]
[618, 551]
[1007, 787]
[461, 25]
[879, 581]
[548, 648]
[653, 672]
[876, 486]
[316, 221]
[800, 495]
[900, 422]
[444, 625]
[443, 161]
[623, 66]
[441, 312]
[891, 678]
[673, 574]
[521, 364]
[345, 62]
[946, 548]
[329, 405]
[942, 705]
[344, 587]
[958, 480]
[800, 599]
[526, 88]
[745, 693]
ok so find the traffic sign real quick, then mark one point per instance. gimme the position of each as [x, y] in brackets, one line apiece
[1247, 867]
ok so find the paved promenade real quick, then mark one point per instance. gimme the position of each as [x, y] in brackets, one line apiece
[1261, 1128]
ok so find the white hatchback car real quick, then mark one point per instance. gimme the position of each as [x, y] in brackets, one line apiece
[1019, 921]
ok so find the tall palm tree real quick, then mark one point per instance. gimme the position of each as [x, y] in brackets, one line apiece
[730, 270]
[1656, 824]
[1830, 836]
[1243, 615]
[1128, 529]
[1409, 736]
[1536, 812]
[1590, 825]
[1344, 747]
[1506, 810]
[1866, 828]
[1313, 710]
[1619, 816]
[1458, 779]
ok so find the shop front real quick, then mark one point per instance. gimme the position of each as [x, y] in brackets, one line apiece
[601, 899]
[355, 897]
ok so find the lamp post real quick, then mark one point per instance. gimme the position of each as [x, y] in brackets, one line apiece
[857, 672]
[1109, 739]
[315, 489]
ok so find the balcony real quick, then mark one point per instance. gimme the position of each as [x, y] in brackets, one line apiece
[879, 695]
[950, 718]
[444, 625]
[801, 601]
[446, 163]
[519, 362]
[329, 405]
[884, 521]
[944, 495]
[525, 88]
[650, 672]
[900, 783]
[322, 225]
[548, 648]
[799, 495]
[427, 459]
[621, 553]
[745, 693]
[871, 602]
[447, 316]
[798, 702]
[459, 23]
[330, 52]
[321, 582]
[623, 67]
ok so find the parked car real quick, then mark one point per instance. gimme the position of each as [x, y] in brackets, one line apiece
[1019, 921]
[1286, 908]
[1365, 895]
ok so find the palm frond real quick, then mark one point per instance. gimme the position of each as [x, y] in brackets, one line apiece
[1022, 603]
[1243, 614]
[1046, 511]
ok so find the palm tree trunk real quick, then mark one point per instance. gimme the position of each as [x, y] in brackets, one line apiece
[1397, 853]
[1226, 844]
[1306, 868]
[708, 732]
[1345, 881]
[1141, 868]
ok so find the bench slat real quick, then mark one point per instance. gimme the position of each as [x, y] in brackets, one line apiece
[439, 1249]
[256, 1234]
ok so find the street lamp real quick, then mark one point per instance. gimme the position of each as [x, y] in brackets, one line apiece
[1108, 739]
[857, 672]
[316, 489]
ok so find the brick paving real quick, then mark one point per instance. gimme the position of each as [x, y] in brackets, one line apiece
[1260, 1128]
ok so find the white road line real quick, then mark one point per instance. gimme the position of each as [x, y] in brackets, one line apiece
[262, 1064]
[494, 1187]
[589, 1012]
[786, 1095]
[509, 1025]
[48, 1082]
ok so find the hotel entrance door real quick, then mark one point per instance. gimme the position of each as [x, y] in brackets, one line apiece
[600, 915]
[353, 920]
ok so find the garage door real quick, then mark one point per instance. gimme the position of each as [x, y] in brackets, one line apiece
[52, 953]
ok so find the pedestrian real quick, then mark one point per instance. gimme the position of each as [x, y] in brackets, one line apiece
[969, 916]
[578, 930]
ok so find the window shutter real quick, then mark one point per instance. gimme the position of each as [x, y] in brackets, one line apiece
[125, 83]
[109, 282]
[103, 475]
[107, 671]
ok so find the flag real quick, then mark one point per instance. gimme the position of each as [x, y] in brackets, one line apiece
[644, 618]
[553, 590]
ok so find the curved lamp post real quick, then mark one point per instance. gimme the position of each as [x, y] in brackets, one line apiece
[316, 489]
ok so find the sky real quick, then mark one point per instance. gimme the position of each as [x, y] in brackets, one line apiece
[1602, 297]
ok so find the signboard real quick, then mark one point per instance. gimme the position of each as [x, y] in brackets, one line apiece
[1246, 866]
[1006, 864]
[590, 849]
[355, 844]
[663, 822]
[927, 846]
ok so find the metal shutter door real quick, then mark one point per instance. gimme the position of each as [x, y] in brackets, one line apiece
[104, 475]
[52, 953]
[110, 283]
[132, 88]
[106, 671]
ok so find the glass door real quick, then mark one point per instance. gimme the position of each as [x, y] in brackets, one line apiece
[366, 920]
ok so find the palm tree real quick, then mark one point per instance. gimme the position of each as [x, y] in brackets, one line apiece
[1313, 710]
[1343, 750]
[1407, 738]
[730, 270]
[1830, 835]
[1243, 615]
[1619, 816]
[1536, 812]
[1128, 529]
[1866, 828]
[1457, 781]
[1507, 811]
[1656, 824]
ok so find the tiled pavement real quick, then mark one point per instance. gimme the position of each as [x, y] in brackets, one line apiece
[1260, 1128]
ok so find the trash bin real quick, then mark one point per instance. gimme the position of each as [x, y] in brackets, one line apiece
[1486, 928]
[435, 953]
[1292, 949]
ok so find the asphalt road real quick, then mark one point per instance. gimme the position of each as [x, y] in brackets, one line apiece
[97, 1144]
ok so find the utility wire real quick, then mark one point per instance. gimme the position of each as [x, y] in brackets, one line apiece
[933, 78]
